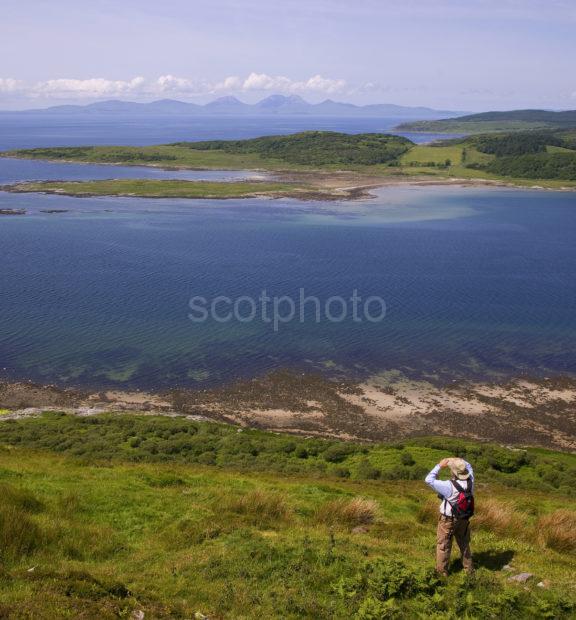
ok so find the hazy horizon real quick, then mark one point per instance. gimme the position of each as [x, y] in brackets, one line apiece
[489, 55]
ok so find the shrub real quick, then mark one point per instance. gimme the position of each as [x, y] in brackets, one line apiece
[386, 580]
[338, 453]
[407, 459]
[348, 513]
[366, 471]
[557, 530]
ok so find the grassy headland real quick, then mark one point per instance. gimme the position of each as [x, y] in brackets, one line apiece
[107, 515]
[513, 120]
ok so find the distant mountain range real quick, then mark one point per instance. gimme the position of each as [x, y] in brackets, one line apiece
[231, 106]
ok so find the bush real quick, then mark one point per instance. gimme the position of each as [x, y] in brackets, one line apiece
[407, 459]
[383, 580]
[338, 453]
[366, 471]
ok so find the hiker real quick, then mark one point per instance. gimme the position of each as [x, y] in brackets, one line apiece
[455, 511]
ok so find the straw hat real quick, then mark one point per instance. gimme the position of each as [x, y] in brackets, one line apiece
[459, 469]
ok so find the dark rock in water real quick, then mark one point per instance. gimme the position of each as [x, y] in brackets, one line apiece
[54, 210]
[12, 211]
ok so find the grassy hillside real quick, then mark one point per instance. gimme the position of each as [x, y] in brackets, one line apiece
[103, 516]
[296, 151]
[512, 120]
[315, 148]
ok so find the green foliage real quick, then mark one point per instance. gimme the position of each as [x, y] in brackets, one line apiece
[136, 438]
[538, 166]
[520, 143]
[316, 148]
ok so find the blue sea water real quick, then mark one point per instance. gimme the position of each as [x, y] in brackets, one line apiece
[40, 130]
[478, 282]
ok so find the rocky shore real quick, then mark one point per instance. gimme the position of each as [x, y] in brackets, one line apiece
[538, 412]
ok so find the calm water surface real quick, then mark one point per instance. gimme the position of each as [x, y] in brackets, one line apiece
[478, 282]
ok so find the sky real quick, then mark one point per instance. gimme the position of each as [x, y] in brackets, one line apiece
[447, 54]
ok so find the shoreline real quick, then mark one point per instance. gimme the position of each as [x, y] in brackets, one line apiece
[521, 411]
[323, 187]
[323, 184]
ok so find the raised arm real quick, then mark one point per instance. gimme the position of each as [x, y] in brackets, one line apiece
[442, 487]
[469, 468]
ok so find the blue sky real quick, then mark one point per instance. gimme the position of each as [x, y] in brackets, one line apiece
[455, 54]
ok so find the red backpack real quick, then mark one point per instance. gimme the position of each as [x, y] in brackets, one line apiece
[463, 505]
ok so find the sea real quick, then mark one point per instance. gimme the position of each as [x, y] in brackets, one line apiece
[426, 282]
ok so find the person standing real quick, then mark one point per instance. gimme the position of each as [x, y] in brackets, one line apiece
[456, 508]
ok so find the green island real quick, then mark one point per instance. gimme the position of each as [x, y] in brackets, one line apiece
[115, 515]
[168, 188]
[324, 165]
[513, 120]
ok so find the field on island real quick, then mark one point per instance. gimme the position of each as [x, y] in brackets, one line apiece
[107, 516]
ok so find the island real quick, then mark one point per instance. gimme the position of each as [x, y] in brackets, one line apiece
[512, 120]
[323, 165]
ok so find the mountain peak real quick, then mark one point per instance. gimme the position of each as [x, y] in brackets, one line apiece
[275, 101]
[228, 100]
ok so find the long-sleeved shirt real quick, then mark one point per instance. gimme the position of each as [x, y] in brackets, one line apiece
[445, 488]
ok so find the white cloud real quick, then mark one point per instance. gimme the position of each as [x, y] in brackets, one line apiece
[139, 87]
[94, 87]
[9, 85]
[280, 83]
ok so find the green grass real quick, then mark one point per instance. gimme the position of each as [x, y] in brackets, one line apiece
[159, 188]
[119, 513]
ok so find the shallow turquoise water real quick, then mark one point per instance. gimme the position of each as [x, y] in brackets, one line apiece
[477, 282]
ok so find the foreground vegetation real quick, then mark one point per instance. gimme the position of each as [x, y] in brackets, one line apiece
[104, 516]
[548, 157]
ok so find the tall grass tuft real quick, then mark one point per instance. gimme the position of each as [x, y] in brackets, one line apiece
[348, 513]
[557, 530]
[260, 507]
[19, 535]
[428, 512]
[20, 498]
[498, 517]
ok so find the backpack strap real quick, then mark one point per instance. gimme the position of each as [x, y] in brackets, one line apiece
[459, 487]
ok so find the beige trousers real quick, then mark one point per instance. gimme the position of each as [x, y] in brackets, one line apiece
[449, 528]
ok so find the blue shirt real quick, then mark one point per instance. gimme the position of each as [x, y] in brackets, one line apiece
[444, 487]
